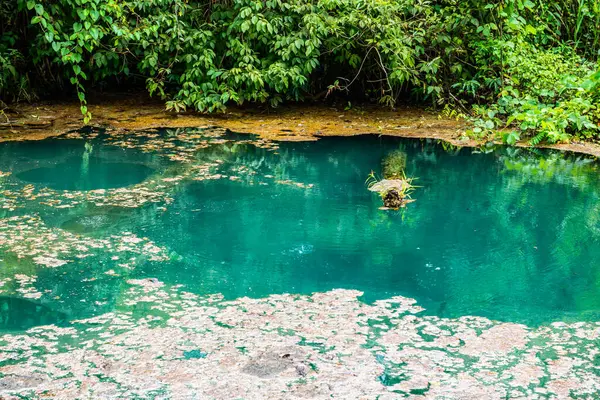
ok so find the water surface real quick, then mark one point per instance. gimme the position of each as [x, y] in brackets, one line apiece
[508, 234]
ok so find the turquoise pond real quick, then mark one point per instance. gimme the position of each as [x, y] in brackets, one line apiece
[504, 233]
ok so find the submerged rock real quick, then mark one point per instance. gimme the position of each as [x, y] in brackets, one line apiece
[88, 223]
[20, 314]
[271, 362]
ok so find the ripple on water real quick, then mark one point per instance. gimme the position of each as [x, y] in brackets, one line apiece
[88, 223]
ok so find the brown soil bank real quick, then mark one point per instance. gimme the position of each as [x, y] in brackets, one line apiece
[299, 123]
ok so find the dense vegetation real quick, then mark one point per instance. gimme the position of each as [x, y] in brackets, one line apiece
[516, 68]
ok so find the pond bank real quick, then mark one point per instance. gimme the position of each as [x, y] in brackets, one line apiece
[292, 123]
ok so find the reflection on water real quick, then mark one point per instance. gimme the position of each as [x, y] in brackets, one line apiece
[77, 175]
[21, 314]
[506, 233]
[76, 165]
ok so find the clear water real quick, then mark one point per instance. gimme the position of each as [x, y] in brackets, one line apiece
[503, 233]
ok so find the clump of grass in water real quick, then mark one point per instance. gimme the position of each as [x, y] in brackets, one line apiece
[396, 188]
[395, 193]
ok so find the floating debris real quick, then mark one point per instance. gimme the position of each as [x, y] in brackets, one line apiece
[198, 155]
[28, 236]
[319, 346]
[296, 184]
[395, 188]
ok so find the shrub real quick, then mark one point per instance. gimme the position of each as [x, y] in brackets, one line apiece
[517, 68]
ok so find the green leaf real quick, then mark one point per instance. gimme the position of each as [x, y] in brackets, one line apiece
[530, 29]
[39, 9]
[83, 13]
[528, 4]
[76, 27]
[511, 138]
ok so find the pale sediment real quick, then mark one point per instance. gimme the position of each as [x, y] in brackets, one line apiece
[289, 346]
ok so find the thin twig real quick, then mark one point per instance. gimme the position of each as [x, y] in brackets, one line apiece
[360, 69]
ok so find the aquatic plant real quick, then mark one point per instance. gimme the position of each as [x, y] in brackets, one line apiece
[395, 193]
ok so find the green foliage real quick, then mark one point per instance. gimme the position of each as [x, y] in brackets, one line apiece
[519, 68]
[548, 95]
[371, 179]
[533, 79]
[10, 58]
